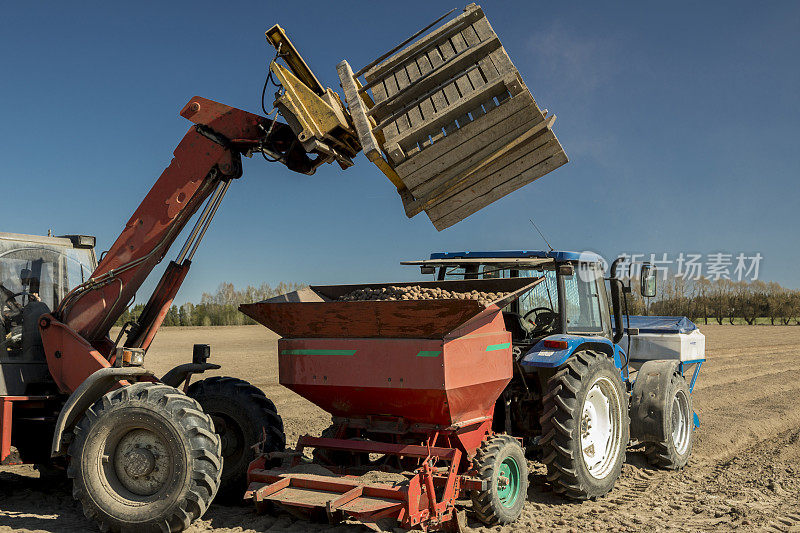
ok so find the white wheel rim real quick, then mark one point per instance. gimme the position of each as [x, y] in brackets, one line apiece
[600, 428]
[681, 427]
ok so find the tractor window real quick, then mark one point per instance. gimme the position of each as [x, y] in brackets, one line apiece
[543, 295]
[32, 271]
[79, 267]
[583, 298]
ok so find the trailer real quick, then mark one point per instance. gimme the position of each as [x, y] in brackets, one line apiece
[411, 385]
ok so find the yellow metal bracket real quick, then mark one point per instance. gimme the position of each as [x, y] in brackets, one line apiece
[315, 114]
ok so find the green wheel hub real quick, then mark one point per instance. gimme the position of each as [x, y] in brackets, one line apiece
[508, 482]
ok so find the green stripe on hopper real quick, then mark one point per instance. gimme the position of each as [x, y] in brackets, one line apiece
[318, 352]
[495, 347]
[432, 353]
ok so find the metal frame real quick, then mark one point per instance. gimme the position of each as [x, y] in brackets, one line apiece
[413, 504]
[698, 363]
[6, 418]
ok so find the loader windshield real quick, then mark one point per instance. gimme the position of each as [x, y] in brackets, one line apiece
[33, 270]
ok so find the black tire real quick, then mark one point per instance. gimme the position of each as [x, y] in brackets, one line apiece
[674, 451]
[242, 416]
[145, 458]
[493, 506]
[564, 423]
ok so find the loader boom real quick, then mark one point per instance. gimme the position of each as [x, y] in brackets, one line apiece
[204, 163]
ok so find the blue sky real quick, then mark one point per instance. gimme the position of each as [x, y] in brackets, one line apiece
[680, 120]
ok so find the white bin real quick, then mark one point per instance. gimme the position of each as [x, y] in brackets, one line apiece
[680, 346]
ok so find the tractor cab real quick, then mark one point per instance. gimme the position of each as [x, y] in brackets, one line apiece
[571, 299]
[35, 274]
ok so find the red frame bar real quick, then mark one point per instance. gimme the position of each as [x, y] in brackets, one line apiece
[407, 450]
[6, 417]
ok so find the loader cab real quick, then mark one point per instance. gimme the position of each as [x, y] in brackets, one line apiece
[35, 274]
[571, 298]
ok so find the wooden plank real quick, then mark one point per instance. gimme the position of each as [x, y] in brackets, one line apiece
[465, 60]
[473, 42]
[438, 99]
[462, 82]
[441, 189]
[471, 14]
[393, 84]
[496, 181]
[499, 57]
[463, 159]
[530, 175]
[476, 77]
[427, 106]
[452, 143]
[456, 109]
[369, 144]
[405, 78]
[390, 130]
[486, 65]
[446, 52]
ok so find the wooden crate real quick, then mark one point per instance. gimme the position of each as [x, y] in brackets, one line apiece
[453, 120]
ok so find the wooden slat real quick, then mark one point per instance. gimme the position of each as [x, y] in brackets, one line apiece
[527, 177]
[452, 144]
[440, 189]
[479, 147]
[358, 111]
[405, 78]
[470, 16]
[390, 130]
[427, 106]
[446, 52]
[462, 82]
[499, 57]
[392, 87]
[475, 76]
[453, 111]
[492, 184]
[466, 59]
[435, 58]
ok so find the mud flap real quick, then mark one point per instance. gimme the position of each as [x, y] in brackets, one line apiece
[648, 401]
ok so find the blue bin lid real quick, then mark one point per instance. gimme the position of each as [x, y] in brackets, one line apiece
[660, 324]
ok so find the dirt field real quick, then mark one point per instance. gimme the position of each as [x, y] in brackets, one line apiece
[744, 473]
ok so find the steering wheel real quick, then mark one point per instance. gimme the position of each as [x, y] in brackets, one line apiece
[543, 318]
[12, 303]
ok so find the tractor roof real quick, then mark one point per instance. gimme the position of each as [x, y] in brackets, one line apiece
[585, 257]
[506, 257]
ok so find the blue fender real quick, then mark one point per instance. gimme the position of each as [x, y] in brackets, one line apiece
[541, 357]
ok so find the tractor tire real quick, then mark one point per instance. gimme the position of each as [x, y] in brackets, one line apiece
[242, 417]
[585, 407]
[145, 458]
[500, 461]
[673, 453]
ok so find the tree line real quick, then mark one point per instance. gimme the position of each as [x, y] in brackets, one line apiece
[721, 301]
[218, 309]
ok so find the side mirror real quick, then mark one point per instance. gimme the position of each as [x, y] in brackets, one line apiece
[424, 269]
[648, 279]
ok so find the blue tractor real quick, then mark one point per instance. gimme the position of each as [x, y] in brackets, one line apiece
[589, 379]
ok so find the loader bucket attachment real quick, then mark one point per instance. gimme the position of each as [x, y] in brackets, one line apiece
[449, 120]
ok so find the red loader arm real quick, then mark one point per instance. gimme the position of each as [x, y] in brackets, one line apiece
[75, 336]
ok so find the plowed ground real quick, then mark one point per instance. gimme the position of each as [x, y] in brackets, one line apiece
[744, 473]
